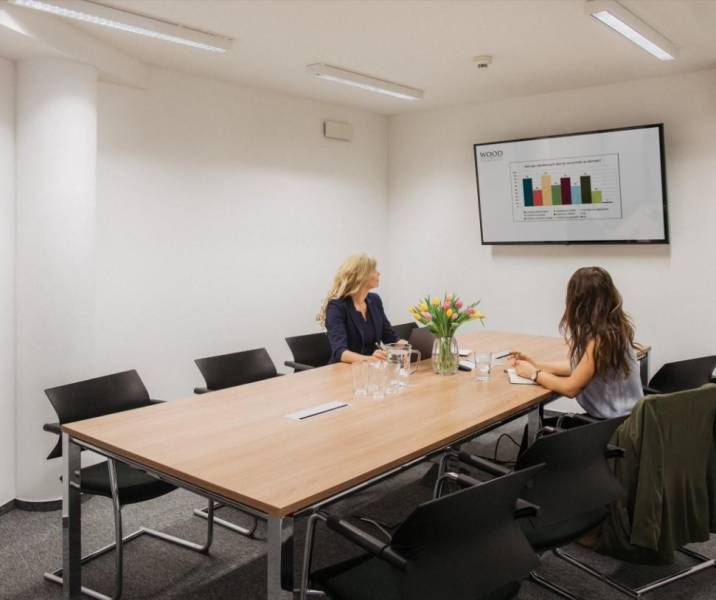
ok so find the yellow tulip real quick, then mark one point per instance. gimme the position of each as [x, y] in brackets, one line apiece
[435, 301]
[449, 313]
[423, 306]
[478, 315]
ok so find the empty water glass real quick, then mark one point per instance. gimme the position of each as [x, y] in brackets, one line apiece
[360, 378]
[483, 364]
[377, 378]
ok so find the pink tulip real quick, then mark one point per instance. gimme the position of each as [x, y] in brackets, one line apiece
[446, 305]
[427, 316]
[458, 304]
[454, 316]
[470, 311]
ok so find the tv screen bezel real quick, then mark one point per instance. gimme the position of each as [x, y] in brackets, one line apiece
[665, 240]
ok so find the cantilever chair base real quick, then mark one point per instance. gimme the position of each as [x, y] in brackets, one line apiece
[56, 575]
[553, 587]
[704, 563]
[249, 532]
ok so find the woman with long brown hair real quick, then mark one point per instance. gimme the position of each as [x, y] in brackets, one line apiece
[602, 372]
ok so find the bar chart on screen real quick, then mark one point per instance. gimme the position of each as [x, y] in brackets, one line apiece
[574, 188]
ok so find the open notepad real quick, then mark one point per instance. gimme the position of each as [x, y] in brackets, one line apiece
[515, 378]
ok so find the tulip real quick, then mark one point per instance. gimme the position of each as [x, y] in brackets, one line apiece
[471, 311]
[435, 301]
[446, 306]
[448, 297]
[454, 317]
[423, 306]
[449, 312]
[458, 303]
[427, 316]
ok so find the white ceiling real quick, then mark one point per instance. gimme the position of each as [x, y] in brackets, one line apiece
[538, 45]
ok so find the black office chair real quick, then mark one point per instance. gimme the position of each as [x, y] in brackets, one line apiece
[237, 368]
[115, 480]
[463, 546]
[309, 351]
[404, 330]
[682, 375]
[573, 491]
[229, 370]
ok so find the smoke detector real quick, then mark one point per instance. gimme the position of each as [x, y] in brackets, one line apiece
[483, 61]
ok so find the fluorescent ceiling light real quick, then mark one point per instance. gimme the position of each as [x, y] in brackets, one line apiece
[99, 14]
[623, 21]
[364, 82]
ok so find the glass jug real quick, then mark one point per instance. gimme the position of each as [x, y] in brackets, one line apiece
[401, 354]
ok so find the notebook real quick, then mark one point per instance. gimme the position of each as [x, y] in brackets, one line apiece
[515, 378]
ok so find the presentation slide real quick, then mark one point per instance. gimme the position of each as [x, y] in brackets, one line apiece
[589, 187]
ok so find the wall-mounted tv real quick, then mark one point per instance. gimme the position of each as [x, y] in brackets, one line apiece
[579, 188]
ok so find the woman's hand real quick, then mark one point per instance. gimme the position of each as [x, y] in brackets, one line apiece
[525, 369]
[380, 354]
[517, 356]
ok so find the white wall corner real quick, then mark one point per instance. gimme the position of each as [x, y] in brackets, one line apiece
[53, 35]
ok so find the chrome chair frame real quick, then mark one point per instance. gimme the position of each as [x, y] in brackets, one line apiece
[56, 575]
[704, 563]
[206, 513]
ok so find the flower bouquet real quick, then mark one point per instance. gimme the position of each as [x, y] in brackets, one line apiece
[443, 317]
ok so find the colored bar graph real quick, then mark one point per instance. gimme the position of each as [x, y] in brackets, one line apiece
[565, 184]
[527, 189]
[596, 196]
[546, 190]
[556, 195]
[537, 197]
[585, 182]
[576, 195]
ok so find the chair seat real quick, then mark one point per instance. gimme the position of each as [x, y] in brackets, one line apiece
[134, 485]
[557, 534]
[369, 578]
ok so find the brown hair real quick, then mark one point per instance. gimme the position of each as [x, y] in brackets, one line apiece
[594, 311]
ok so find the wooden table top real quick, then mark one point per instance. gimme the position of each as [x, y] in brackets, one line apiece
[239, 444]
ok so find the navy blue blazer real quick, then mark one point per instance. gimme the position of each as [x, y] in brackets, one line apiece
[346, 326]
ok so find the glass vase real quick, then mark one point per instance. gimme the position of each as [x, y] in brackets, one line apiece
[445, 356]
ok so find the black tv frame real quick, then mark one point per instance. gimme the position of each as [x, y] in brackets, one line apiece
[659, 126]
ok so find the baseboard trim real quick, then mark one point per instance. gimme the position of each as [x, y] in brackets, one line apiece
[7, 507]
[42, 506]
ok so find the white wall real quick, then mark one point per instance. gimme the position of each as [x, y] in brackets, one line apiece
[222, 216]
[56, 165]
[434, 228]
[7, 281]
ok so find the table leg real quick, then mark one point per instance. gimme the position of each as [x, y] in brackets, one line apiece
[280, 558]
[71, 521]
[534, 423]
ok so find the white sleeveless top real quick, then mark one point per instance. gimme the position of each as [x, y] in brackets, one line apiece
[612, 395]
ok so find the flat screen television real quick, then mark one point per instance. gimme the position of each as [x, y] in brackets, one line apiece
[595, 187]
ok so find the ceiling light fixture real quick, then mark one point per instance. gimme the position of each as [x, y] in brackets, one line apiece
[99, 14]
[623, 21]
[364, 82]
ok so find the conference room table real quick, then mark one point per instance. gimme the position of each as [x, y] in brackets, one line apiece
[239, 447]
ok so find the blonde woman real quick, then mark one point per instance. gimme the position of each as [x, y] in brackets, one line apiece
[354, 318]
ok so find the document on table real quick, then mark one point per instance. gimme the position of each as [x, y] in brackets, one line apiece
[515, 378]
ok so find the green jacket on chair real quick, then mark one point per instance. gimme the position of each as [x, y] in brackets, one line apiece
[669, 472]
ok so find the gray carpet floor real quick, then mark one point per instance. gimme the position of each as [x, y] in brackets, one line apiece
[30, 543]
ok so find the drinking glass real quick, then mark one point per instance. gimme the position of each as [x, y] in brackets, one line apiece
[377, 378]
[360, 378]
[483, 363]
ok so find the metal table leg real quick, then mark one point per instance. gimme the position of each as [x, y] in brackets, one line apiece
[71, 521]
[534, 423]
[279, 585]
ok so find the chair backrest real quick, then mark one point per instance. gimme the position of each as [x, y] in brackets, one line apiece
[465, 545]
[238, 368]
[312, 349]
[421, 338]
[96, 397]
[576, 479]
[404, 330]
[683, 375]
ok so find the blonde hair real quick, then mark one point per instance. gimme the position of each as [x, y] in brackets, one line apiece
[349, 279]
